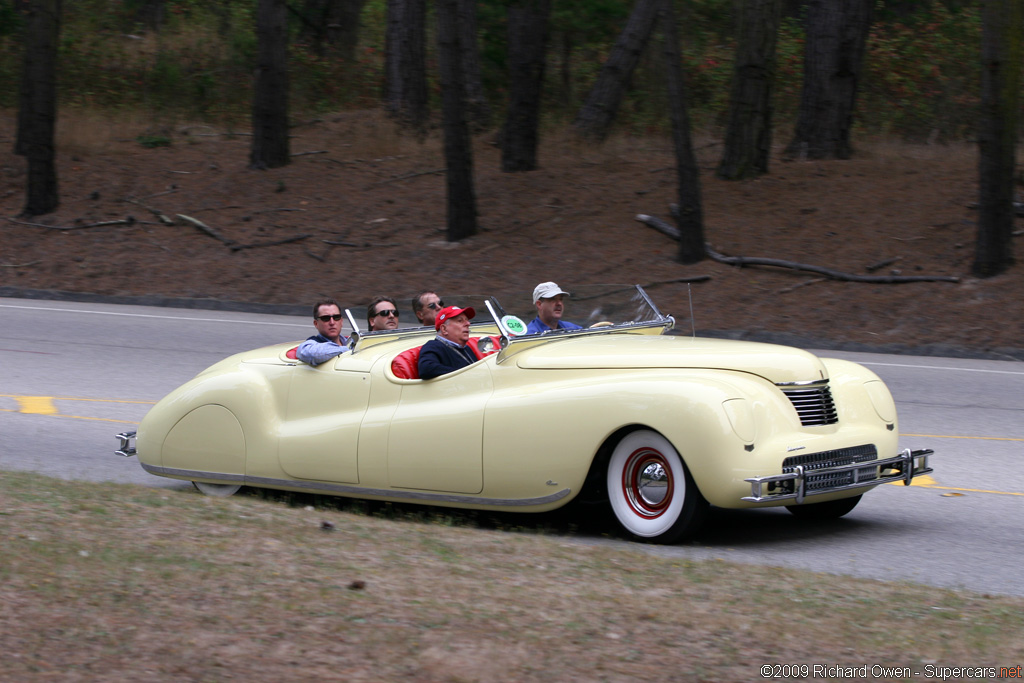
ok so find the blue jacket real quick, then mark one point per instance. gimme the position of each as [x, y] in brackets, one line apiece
[318, 349]
[536, 326]
[438, 357]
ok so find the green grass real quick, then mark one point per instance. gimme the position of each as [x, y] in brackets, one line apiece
[154, 584]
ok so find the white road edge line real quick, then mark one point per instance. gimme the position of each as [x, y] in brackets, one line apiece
[147, 315]
[940, 367]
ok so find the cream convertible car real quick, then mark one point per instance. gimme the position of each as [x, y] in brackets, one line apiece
[659, 425]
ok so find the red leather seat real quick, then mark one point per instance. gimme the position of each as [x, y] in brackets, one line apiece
[474, 345]
[406, 365]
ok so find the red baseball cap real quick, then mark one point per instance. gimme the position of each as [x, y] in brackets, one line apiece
[450, 312]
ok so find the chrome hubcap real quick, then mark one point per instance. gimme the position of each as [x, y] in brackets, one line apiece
[647, 482]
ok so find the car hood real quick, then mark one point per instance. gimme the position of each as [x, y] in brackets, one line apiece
[775, 363]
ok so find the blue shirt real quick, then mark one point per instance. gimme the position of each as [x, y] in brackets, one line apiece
[536, 326]
[318, 349]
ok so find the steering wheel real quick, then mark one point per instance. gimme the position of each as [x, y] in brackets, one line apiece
[603, 323]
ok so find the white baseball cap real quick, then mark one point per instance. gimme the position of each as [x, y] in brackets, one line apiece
[546, 290]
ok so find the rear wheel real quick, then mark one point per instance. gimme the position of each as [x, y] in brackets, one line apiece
[651, 491]
[832, 509]
[217, 490]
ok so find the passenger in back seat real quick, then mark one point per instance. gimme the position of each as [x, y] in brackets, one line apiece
[447, 351]
[328, 342]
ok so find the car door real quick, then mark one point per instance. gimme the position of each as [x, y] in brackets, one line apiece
[320, 432]
[435, 441]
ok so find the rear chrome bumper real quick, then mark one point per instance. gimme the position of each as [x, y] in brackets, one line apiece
[127, 448]
[798, 485]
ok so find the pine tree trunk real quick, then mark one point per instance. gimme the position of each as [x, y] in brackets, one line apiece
[270, 145]
[690, 218]
[478, 110]
[527, 46]
[595, 117]
[405, 83]
[748, 137]
[837, 32]
[37, 112]
[458, 152]
[1002, 22]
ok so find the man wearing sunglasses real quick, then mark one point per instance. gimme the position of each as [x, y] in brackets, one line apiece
[382, 314]
[328, 342]
[425, 305]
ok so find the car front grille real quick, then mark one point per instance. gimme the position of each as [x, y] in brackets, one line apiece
[813, 403]
[836, 458]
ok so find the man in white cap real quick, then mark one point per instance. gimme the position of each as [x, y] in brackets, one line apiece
[548, 298]
[448, 351]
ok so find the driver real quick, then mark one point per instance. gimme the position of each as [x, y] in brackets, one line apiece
[548, 298]
[447, 351]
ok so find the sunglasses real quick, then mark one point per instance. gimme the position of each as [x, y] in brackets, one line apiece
[325, 318]
[436, 307]
[388, 312]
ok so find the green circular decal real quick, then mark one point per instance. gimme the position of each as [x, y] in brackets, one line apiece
[514, 325]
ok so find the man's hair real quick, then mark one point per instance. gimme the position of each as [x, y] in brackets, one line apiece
[371, 310]
[324, 302]
[417, 301]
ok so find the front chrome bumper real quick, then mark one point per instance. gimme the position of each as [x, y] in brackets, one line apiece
[127, 448]
[795, 485]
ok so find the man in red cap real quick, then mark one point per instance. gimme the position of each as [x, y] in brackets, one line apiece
[447, 351]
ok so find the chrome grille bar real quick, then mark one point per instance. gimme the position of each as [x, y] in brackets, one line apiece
[813, 403]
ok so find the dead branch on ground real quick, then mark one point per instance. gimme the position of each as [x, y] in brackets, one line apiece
[255, 245]
[407, 176]
[207, 230]
[663, 227]
[124, 221]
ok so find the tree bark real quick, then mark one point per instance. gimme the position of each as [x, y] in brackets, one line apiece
[690, 216]
[1002, 22]
[37, 111]
[270, 144]
[527, 46]
[478, 110]
[595, 117]
[405, 71]
[748, 137]
[837, 32]
[458, 152]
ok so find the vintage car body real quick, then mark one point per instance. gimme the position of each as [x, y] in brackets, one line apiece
[658, 424]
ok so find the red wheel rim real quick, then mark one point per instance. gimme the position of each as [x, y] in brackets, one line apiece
[647, 482]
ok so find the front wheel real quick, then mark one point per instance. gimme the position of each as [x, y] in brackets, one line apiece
[831, 509]
[651, 491]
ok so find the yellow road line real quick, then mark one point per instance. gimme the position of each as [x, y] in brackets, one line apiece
[927, 482]
[984, 438]
[36, 405]
[77, 417]
[18, 397]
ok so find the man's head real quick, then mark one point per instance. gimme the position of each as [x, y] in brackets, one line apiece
[548, 298]
[452, 323]
[382, 314]
[425, 305]
[327, 318]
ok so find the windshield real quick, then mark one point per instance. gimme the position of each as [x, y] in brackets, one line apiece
[584, 308]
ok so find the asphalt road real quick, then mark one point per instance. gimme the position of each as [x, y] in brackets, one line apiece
[74, 374]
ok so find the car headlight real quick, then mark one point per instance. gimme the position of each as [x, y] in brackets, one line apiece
[881, 399]
[741, 417]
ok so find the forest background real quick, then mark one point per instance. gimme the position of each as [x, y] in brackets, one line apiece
[134, 88]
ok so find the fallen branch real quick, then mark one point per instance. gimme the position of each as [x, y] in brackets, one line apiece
[663, 227]
[364, 245]
[302, 154]
[882, 264]
[787, 290]
[207, 230]
[19, 265]
[254, 245]
[274, 210]
[410, 175]
[124, 221]
[156, 212]
[827, 272]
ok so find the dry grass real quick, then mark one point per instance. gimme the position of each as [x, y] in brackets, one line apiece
[121, 583]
